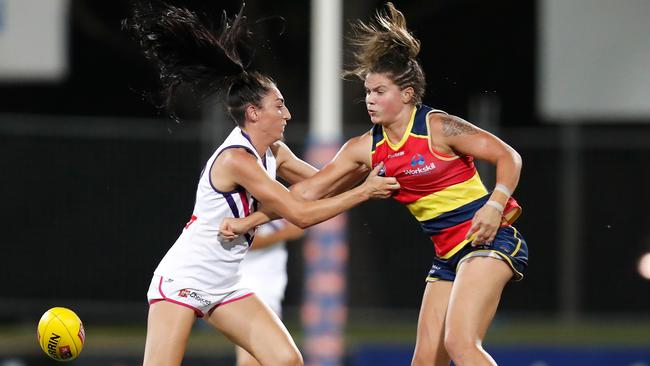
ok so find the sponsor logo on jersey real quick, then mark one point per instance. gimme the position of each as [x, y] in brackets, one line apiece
[420, 170]
[395, 155]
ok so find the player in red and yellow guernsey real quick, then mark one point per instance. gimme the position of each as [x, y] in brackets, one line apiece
[443, 191]
[431, 154]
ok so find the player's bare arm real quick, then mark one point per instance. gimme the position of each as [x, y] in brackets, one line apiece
[294, 170]
[347, 167]
[243, 170]
[289, 166]
[462, 137]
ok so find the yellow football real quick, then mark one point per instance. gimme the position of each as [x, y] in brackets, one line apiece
[61, 334]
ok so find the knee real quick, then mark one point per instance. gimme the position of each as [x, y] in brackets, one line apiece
[249, 361]
[429, 354]
[290, 358]
[458, 345]
[420, 360]
[423, 356]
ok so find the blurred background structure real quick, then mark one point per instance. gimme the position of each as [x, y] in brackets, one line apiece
[96, 184]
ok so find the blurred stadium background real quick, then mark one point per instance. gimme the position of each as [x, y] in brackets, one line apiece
[95, 184]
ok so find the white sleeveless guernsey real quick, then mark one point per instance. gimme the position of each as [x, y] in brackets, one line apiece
[199, 260]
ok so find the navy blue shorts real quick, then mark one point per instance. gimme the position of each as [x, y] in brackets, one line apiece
[508, 245]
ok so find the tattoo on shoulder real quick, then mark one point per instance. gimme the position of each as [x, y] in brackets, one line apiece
[454, 126]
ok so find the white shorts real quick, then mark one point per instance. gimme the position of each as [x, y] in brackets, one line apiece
[168, 289]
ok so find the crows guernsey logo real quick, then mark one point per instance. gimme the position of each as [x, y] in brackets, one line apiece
[417, 159]
[418, 162]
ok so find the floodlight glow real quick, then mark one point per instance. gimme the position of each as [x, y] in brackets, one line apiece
[644, 266]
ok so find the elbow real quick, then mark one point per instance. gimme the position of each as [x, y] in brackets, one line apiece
[516, 158]
[295, 211]
[301, 222]
[301, 192]
[300, 219]
[518, 161]
[306, 196]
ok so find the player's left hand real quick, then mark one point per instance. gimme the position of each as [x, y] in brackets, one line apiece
[231, 228]
[484, 227]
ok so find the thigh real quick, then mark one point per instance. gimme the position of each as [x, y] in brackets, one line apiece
[475, 296]
[252, 325]
[168, 328]
[429, 345]
[244, 358]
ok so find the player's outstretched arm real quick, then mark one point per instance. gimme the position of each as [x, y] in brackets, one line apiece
[230, 227]
[242, 169]
[343, 173]
[291, 168]
[347, 168]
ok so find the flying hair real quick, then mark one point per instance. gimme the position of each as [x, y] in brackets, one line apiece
[191, 51]
[385, 45]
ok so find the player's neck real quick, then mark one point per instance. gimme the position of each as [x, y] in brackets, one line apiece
[396, 129]
[259, 140]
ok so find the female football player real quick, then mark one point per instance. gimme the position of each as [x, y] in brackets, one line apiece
[431, 153]
[199, 276]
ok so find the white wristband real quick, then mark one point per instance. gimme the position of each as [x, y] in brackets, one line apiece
[503, 189]
[496, 205]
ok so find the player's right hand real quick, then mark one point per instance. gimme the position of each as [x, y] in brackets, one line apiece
[485, 224]
[377, 186]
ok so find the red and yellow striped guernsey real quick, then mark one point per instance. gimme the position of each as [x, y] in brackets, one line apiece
[442, 192]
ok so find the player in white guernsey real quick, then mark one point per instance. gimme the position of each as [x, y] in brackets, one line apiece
[265, 269]
[200, 274]
[190, 263]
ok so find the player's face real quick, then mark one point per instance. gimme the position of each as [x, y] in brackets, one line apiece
[383, 100]
[274, 114]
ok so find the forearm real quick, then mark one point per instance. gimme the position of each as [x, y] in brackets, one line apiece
[348, 181]
[259, 217]
[308, 213]
[309, 190]
[348, 167]
[329, 182]
[508, 170]
[313, 212]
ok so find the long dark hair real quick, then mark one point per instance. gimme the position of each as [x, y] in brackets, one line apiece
[190, 51]
[386, 46]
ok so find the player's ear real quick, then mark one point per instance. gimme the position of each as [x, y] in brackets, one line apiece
[252, 114]
[406, 95]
